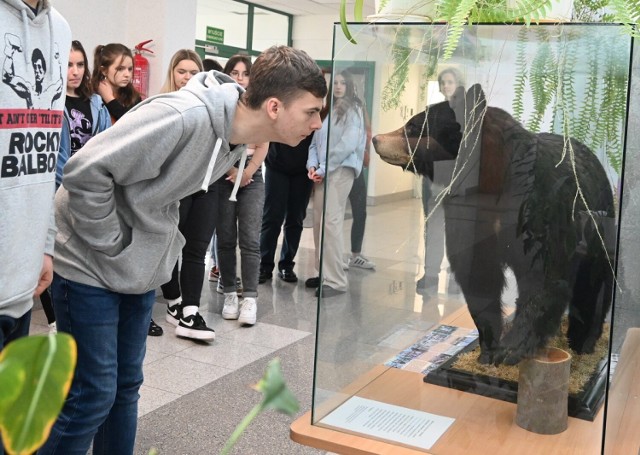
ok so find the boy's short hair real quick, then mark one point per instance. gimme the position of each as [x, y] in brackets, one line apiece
[283, 72]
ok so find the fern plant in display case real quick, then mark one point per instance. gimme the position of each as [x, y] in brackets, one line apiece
[537, 77]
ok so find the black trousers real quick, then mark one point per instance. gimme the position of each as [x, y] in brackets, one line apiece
[197, 223]
[286, 201]
[358, 201]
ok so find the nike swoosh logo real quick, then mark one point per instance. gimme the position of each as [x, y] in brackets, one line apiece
[173, 313]
[188, 324]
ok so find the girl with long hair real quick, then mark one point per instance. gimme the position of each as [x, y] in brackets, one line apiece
[113, 78]
[340, 156]
[184, 64]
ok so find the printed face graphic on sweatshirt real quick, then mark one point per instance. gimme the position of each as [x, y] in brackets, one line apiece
[31, 113]
[37, 94]
[80, 129]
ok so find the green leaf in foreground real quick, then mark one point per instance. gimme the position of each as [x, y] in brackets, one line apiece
[276, 396]
[43, 366]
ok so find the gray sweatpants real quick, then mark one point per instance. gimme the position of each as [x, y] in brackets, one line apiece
[238, 223]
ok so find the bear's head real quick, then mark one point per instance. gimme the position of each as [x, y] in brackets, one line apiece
[432, 135]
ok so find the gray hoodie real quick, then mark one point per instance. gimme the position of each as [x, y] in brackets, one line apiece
[34, 52]
[117, 211]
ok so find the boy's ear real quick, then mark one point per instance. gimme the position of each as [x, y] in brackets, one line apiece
[274, 105]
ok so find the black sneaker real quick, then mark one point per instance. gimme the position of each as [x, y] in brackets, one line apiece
[195, 328]
[328, 291]
[174, 313]
[154, 329]
[264, 276]
[288, 275]
[312, 282]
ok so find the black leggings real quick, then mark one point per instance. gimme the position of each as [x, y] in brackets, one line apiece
[358, 201]
[197, 222]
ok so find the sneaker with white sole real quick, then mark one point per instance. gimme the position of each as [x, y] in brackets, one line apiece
[195, 328]
[174, 313]
[248, 310]
[361, 262]
[230, 310]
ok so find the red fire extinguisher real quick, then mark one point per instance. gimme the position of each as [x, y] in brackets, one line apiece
[141, 69]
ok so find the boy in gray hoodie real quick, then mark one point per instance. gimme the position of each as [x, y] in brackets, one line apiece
[34, 52]
[117, 217]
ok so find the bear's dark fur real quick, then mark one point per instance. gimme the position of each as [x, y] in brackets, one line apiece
[530, 202]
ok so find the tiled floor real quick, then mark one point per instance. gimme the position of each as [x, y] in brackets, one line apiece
[195, 394]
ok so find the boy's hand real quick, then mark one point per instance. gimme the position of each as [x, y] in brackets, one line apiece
[46, 275]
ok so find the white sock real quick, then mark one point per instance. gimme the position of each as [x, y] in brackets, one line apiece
[189, 310]
[174, 302]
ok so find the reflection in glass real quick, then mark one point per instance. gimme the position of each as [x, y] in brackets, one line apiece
[513, 247]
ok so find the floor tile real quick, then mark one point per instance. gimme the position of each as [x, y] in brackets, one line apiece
[181, 375]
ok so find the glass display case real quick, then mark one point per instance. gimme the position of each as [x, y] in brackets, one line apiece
[502, 221]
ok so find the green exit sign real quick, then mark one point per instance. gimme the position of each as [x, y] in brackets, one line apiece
[215, 35]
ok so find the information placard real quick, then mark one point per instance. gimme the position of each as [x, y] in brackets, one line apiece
[390, 422]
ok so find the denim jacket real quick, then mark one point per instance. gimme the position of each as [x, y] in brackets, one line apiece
[101, 121]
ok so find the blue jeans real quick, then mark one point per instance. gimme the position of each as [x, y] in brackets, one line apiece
[13, 328]
[110, 330]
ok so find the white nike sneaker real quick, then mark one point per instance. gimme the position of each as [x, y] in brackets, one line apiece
[230, 309]
[248, 310]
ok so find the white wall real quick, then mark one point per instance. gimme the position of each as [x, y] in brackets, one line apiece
[314, 34]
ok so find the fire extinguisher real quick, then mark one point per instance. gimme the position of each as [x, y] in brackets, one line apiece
[141, 69]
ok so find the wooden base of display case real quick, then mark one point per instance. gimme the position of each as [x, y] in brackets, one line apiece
[482, 425]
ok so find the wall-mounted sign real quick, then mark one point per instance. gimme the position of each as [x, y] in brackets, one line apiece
[215, 35]
[211, 50]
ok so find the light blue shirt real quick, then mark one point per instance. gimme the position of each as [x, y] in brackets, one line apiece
[346, 144]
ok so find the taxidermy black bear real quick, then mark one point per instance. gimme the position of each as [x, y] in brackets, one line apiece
[534, 203]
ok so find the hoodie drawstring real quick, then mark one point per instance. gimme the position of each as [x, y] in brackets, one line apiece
[212, 162]
[27, 38]
[236, 185]
[54, 46]
[26, 51]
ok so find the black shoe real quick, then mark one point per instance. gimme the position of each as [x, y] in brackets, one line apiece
[154, 329]
[312, 282]
[288, 275]
[328, 291]
[264, 276]
[174, 313]
[426, 281]
[194, 327]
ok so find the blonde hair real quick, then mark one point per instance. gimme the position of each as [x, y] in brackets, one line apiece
[182, 54]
